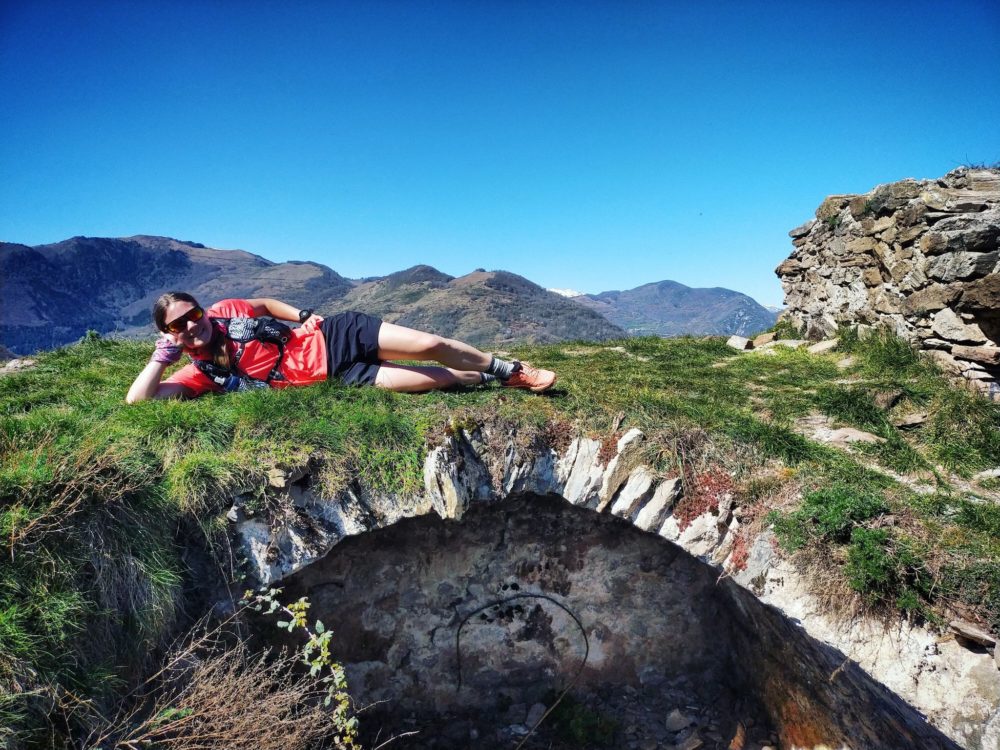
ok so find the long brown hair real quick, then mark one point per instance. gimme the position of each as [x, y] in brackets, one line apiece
[217, 344]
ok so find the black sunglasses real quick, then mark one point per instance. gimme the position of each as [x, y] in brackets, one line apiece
[179, 324]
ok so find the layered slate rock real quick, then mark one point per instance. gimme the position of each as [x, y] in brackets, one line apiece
[813, 671]
[920, 257]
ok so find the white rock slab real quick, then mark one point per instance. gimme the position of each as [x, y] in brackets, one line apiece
[635, 492]
[822, 347]
[582, 471]
[651, 516]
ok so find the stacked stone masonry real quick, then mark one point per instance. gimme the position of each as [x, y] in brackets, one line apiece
[920, 257]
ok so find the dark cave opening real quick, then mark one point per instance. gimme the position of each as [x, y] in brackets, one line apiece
[466, 632]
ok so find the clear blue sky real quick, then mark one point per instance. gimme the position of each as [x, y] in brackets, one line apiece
[592, 145]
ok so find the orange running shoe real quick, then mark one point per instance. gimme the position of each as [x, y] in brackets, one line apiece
[532, 378]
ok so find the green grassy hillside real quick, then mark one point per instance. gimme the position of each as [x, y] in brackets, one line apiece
[107, 509]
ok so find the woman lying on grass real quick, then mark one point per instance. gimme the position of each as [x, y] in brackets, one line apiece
[238, 344]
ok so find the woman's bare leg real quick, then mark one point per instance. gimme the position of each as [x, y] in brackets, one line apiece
[399, 342]
[410, 379]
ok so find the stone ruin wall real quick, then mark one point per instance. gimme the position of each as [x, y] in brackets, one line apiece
[919, 257]
[812, 670]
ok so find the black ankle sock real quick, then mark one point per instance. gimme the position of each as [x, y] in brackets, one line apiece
[486, 378]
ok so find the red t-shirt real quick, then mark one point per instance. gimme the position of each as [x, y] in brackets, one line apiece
[304, 362]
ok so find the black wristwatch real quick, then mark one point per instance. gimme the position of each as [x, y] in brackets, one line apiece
[304, 315]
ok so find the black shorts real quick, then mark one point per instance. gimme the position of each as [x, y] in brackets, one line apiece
[352, 347]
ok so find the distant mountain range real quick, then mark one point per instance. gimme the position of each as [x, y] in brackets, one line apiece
[483, 307]
[51, 295]
[666, 308]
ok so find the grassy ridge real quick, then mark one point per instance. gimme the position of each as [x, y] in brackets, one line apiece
[100, 503]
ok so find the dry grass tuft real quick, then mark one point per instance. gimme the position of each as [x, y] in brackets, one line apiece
[216, 694]
[822, 568]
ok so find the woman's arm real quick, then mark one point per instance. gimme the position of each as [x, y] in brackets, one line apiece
[275, 308]
[147, 385]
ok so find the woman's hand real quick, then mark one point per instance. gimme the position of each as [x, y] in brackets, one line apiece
[311, 323]
[167, 350]
[147, 385]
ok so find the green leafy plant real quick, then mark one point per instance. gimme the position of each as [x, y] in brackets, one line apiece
[875, 205]
[168, 715]
[582, 725]
[886, 570]
[785, 329]
[829, 514]
[316, 655]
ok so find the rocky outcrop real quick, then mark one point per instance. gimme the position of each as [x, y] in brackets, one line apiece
[813, 671]
[919, 257]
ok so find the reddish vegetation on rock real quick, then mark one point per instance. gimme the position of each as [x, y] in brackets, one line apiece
[706, 491]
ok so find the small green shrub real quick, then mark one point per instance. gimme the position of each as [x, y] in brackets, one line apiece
[977, 584]
[877, 204]
[855, 406]
[582, 726]
[870, 568]
[316, 655]
[828, 514]
[785, 329]
[909, 601]
[792, 533]
[836, 510]
[886, 570]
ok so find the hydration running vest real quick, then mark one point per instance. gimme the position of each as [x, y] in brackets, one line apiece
[241, 331]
